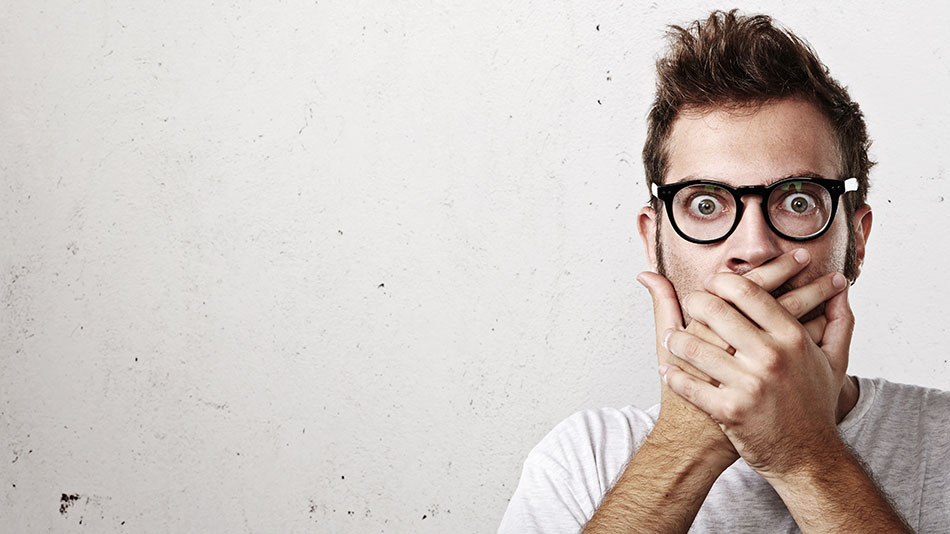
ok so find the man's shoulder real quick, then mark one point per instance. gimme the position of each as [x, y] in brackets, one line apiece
[599, 439]
[903, 413]
[896, 393]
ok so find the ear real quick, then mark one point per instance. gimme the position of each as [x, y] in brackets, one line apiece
[646, 224]
[862, 229]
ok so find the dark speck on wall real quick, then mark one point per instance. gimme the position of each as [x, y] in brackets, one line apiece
[424, 516]
[66, 501]
[381, 285]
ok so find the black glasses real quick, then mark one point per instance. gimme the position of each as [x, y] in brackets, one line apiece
[797, 209]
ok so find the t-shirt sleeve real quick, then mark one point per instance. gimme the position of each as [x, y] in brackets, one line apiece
[934, 513]
[544, 501]
[567, 474]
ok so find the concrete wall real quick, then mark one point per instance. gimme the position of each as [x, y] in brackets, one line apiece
[337, 266]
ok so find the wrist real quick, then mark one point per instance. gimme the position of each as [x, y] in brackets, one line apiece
[813, 465]
[701, 447]
[834, 492]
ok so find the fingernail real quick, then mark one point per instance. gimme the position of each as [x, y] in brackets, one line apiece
[839, 281]
[640, 279]
[663, 369]
[801, 255]
[666, 338]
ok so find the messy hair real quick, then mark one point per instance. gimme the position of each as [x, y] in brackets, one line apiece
[735, 61]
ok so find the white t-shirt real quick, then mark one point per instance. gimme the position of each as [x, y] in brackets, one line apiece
[901, 432]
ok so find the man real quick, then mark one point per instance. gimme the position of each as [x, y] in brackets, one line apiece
[757, 163]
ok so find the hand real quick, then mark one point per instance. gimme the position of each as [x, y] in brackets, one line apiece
[681, 415]
[776, 397]
[676, 414]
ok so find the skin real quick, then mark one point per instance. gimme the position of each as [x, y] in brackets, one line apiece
[754, 147]
[665, 483]
[742, 375]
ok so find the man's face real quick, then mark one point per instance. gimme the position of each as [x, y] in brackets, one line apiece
[752, 146]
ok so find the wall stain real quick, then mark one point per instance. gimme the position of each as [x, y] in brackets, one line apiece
[66, 501]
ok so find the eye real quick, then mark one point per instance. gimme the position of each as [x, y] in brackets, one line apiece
[799, 203]
[704, 205]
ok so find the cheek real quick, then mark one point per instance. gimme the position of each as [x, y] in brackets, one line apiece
[686, 264]
[829, 251]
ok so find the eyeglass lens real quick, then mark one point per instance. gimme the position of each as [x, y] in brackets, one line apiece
[796, 209]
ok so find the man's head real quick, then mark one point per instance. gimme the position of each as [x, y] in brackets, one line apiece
[742, 102]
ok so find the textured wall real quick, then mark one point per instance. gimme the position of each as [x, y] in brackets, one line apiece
[337, 266]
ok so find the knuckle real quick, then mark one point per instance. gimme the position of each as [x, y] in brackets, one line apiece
[746, 288]
[793, 304]
[799, 339]
[755, 387]
[692, 347]
[683, 386]
[755, 277]
[731, 411]
[771, 361]
[712, 307]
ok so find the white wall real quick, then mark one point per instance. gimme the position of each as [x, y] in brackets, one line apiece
[337, 267]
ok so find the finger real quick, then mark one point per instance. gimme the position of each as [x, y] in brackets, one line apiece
[802, 300]
[673, 359]
[816, 328]
[698, 393]
[750, 299]
[708, 358]
[725, 320]
[703, 332]
[667, 315]
[838, 332]
[666, 308]
[773, 274]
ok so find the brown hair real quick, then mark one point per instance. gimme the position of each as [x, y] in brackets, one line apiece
[731, 60]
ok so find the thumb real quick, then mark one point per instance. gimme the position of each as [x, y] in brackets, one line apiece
[666, 307]
[836, 341]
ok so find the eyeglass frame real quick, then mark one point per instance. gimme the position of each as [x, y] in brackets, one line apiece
[835, 189]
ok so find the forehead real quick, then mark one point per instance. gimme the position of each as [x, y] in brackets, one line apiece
[752, 145]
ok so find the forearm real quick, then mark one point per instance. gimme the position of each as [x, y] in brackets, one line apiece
[661, 488]
[835, 494]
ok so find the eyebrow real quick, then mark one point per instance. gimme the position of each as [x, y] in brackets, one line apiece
[802, 174]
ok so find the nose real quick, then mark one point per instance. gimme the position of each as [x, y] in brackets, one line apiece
[753, 242]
